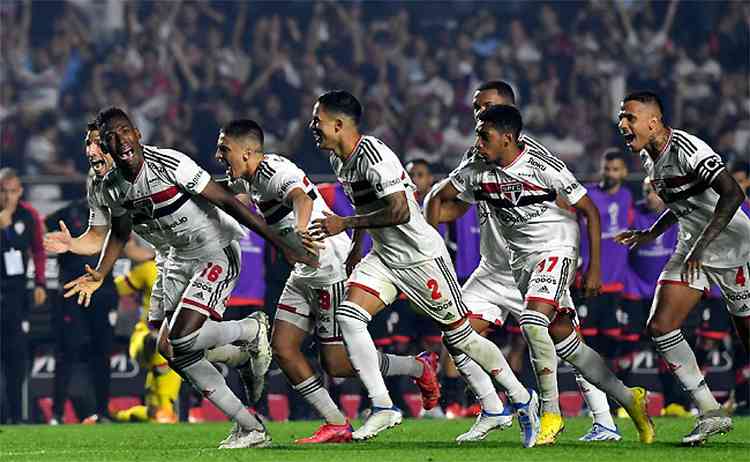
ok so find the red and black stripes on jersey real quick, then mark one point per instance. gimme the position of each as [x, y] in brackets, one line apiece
[274, 210]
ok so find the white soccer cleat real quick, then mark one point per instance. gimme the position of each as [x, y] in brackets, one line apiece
[253, 372]
[232, 434]
[241, 438]
[599, 432]
[709, 424]
[484, 424]
[528, 419]
[380, 419]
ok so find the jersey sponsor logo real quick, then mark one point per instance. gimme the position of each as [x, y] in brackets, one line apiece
[201, 285]
[286, 186]
[570, 188]
[155, 226]
[536, 164]
[380, 187]
[736, 297]
[192, 183]
[199, 295]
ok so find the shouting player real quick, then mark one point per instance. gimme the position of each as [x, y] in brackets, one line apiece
[713, 245]
[492, 294]
[166, 198]
[308, 304]
[408, 254]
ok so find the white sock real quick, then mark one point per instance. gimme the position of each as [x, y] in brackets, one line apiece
[214, 333]
[489, 357]
[206, 379]
[535, 328]
[596, 400]
[231, 355]
[480, 383]
[314, 393]
[391, 365]
[353, 320]
[681, 361]
[593, 367]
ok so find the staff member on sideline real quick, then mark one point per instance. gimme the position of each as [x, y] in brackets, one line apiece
[21, 230]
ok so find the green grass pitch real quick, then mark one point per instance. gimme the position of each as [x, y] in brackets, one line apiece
[414, 440]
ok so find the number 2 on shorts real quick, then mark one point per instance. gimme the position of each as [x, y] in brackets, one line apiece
[432, 284]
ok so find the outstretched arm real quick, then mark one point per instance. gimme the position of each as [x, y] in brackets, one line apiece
[634, 238]
[88, 243]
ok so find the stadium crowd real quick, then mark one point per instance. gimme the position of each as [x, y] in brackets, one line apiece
[184, 69]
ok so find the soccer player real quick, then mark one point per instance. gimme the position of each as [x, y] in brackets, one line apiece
[408, 254]
[521, 183]
[492, 293]
[172, 203]
[713, 246]
[309, 302]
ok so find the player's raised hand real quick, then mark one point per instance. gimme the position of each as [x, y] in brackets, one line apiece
[58, 241]
[634, 238]
[84, 286]
[331, 225]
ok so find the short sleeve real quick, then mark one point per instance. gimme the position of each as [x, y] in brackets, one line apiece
[189, 175]
[698, 157]
[564, 183]
[286, 180]
[462, 179]
[382, 169]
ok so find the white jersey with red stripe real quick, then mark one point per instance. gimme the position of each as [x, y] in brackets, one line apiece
[682, 175]
[269, 189]
[521, 200]
[166, 208]
[369, 174]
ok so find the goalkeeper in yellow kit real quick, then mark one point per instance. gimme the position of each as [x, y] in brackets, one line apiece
[162, 383]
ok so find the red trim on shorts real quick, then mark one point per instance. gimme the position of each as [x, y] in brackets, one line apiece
[664, 282]
[589, 331]
[543, 300]
[211, 312]
[369, 290]
[242, 301]
[290, 309]
[400, 338]
[496, 322]
[713, 334]
[616, 332]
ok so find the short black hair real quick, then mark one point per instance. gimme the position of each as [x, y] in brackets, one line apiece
[106, 115]
[740, 166]
[502, 88]
[615, 154]
[503, 118]
[242, 128]
[415, 162]
[646, 97]
[92, 127]
[343, 102]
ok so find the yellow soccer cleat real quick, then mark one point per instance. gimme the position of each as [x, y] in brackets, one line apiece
[639, 413]
[675, 410]
[551, 426]
[622, 413]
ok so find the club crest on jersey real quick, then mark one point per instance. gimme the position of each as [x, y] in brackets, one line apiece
[511, 191]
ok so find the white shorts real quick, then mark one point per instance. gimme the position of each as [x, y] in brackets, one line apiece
[312, 309]
[201, 285]
[547, 277]
[734, 283]
[491, 294]
[431, 286]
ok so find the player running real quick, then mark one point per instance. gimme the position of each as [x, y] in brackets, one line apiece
[408, 254]
[492, 294]
[308, 304]
[173, 204]
[713, 245]
[521, 184]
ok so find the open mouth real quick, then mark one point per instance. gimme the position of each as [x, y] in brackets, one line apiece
[629, 138]
[97, 165]
[126, 152]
